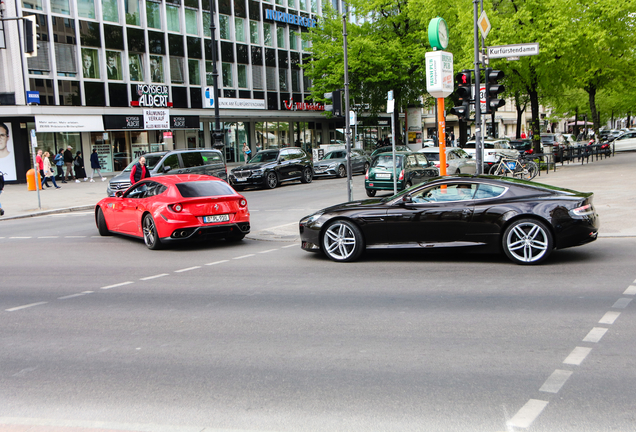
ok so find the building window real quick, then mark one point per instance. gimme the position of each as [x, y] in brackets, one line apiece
[267, 35]
[136, 67]
[156, 69]
[239, 29]
[86, 8]
[209, 70]
[224, 27]
[193, 72]
[32, 5]
[110, 11]
[206, 24]
[254, 32]
[280, 37]
[227, 75]
[191, 21]
[131, 8]
[295, 76]
[153, 14]
[293, 40]
[60, 6]
[305, 44]
[90, 63]
[113, 65]
[314, 6]
[176, 70]
[257, 77]
[172, 18]
[282, 79]
[241, 75]
[270, 78]
[292, 3]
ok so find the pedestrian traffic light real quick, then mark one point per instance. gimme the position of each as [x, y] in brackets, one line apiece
[336, 103]
[30, 36]
[493, 88]
[463, 94]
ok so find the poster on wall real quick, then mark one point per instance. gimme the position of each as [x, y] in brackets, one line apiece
[104, 154]
[7, 155]
[414, 122]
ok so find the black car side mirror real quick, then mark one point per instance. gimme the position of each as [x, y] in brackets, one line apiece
[407, 199]
[119, 194]
[167, 168]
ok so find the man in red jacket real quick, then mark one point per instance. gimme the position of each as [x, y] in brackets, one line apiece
[139, 171]
[40, 167]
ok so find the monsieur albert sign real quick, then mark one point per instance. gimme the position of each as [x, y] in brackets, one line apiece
[289, 18]
[152, 96]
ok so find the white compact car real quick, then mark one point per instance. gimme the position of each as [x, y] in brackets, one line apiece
[457, 160]
[626, 141]
[491, 148]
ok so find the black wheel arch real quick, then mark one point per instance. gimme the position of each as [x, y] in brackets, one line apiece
[506, 222]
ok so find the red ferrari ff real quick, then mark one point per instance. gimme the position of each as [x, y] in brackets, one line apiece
[175, 207]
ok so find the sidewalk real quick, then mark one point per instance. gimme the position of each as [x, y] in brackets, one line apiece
[610, 179]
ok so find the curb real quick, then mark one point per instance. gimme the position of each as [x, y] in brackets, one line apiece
[49, 212]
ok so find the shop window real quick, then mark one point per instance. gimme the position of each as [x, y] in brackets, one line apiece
[118, 95]
[113, 65]
[176, 70]
[280, 37]
[267, 34]
[194, 47]
[206, 24]
[136, 40]
[95, 95]
[131, 9]
[226, 69]
[257, 77]
[239, 29]
[136, 67]
[60, 7]
[175, 45]
[194, 74]
[153, 14]
[86, 8]
[69, 93]
[254, 33]
[224, 27]
[241, 75]
[89, 34]
[180, 97]
[156, 69]
[45, 87]
[172, 18]
[156, 43]
[191, 21]
[90, 64]
[113, 37]
[32, 4]
[110, 11]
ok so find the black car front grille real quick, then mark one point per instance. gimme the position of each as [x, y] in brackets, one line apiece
[120, 186]
[242, 174]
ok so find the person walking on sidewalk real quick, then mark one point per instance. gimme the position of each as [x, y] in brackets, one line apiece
[96, 166]
[58, 160]
[40, 168]
[139, 171]
[68, 161]
[247, 151]
[48, 172]
[1, 187]
[78, 165]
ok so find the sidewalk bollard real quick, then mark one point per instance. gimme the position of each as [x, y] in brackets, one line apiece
[30, 177]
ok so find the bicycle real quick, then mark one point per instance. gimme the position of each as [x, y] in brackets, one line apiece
[517, 168]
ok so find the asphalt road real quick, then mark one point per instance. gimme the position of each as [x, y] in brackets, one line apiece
[260, 336]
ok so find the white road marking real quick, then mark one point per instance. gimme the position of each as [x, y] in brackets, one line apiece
[20, 237]
[154, 277]
[74, 236]
[622, 303]
[244, 256]
[577, 356]
[49, 237]
[556, 381]
[631, 290]
[25, 306]
[75, 295]
[217, 262]
[609, 317]
[117, 285]
[527, 414]
[288, 246]
[595, 334]
[187, 269]
[268, 250]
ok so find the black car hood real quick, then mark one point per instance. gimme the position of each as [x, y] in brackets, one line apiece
[254, 166]
[353, 204]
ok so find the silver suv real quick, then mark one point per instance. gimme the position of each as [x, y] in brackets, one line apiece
[208, 162]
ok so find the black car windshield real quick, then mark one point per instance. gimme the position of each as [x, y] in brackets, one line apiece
[151, 161]
[204, 189]
[265, 156]
[432, 156]
[518, 145]
[471, 145]
[548, 139]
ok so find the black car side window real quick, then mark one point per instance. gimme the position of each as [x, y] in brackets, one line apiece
[191, 159]
[171, 161]
[138, 191]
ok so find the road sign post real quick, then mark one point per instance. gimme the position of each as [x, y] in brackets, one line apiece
[440, 84]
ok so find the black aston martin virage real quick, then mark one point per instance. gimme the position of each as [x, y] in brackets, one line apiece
[526, 220]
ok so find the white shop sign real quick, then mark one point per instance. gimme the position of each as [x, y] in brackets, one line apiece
[156, 119]
[76, 123]
[439, 74]
[231, 103]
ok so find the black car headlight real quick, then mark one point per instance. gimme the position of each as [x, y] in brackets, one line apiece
[311, 220]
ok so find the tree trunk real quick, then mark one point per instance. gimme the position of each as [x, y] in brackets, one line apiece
[591, 91]
[534, 108]
[520, 111]
[576, 123]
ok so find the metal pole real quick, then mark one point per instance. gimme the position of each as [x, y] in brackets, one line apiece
[36, 168]
[478, 123]
[217, 135]
[347, 117]
[393, 148]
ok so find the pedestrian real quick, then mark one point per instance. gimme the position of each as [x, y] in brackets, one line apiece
[78, 165]
[452, 137]
[48, 172]
[247, 151]
[139, 171]
[96, 166]
[258, 147]
[68, 161]
[40, 168]
[1, 187]
[59, 164]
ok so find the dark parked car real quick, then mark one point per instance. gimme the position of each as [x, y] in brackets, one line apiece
[206, 162]
[525, 219]
[410, 169]
[386, 149]
[334, 163]
[269, 168]
[523, 146]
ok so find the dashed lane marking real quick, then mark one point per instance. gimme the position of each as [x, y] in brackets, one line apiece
[116, 285]
[577, 356]
[556, 381]
[154, 277]
[621, 303]
[75, 295]
[216, 262]
[268, 250]
[48, 237]
[74, 236]
[20, 237]
[187, 269]
[609, 317]
[595, 334]
[17, 308]
[631, 290]
[526, 415]
[243, 256]
[288, 246]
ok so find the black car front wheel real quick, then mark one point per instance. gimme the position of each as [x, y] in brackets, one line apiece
[527, 241]
[102, 227]
[342, 241]
[308, 175]
[150, 233]
[271, 180]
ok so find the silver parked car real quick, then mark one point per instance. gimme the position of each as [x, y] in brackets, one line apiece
[492, 147]
[457, 160]
[334, 163]
[625, 141]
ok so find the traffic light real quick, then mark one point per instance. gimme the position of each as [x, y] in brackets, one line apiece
[463, 94]
[30, 36]
[336, 103]
[493, 88]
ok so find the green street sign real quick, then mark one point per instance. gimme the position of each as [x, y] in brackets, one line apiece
[438, 33]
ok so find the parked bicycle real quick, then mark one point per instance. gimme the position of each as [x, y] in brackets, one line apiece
[518, 168]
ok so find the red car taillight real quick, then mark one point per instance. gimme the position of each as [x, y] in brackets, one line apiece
[530, 151]
[401, 175]
[242, 202]
[176, 208]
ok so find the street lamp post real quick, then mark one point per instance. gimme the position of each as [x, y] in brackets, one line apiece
[217, 135]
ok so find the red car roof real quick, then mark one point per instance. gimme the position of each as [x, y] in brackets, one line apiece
[181, 178]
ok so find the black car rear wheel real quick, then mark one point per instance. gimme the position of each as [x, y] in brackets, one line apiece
[370, 192]
[342, 241]
[308, 175]
[527, 241]
[342, 171]
[271, 180]
[101, 223]
[366, 167]
[150, 233]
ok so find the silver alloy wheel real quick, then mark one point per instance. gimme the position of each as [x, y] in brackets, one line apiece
[150, 232]
[339, 241]
[527, 242]
[342, 171]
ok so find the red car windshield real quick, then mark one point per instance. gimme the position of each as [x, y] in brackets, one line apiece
[204, 189]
